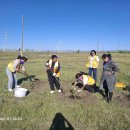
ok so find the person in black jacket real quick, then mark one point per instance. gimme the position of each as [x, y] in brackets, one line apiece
[53, 72]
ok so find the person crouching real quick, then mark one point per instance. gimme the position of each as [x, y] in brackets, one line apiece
[53, 72]
[84, 82]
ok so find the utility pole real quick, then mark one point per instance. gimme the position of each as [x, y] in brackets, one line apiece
[98, 46]
[57, 48]
[5, 41]
[118, 48]
[22, 35]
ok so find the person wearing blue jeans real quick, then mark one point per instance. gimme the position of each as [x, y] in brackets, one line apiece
[92, 64]
[94, 72]
[12, 79]
[14, 67]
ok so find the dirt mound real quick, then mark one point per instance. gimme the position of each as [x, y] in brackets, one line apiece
[122, 99]
[85, 97]
[39, 85]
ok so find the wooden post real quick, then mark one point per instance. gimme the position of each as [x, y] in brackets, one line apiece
[22, 35]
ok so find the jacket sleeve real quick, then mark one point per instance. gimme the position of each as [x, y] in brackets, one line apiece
[16, 63]
[58, 69]
[115, 67]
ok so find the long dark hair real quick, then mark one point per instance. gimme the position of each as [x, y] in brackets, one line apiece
[54, 56]
[93, 51]
[107, 55]
[78, 75]
[22, 57]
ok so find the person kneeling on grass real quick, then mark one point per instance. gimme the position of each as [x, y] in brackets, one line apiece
[53, 72]
[84, 82]
[14, 67]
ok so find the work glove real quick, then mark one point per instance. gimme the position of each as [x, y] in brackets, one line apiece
[47, 64]
[54, 74]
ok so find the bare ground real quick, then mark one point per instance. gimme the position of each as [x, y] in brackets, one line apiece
[123, 99]
[85, 97]
[40, 86]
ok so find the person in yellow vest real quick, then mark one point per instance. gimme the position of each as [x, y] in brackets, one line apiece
[11, 70]
[84, 81]
[93, 63]
[53, 72]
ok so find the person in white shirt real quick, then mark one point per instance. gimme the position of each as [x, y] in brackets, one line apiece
[16, 66]
[93, 64]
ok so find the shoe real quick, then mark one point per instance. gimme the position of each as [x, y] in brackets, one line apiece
[79, 90]
[108, 100]
[51, 91]
[10, 90]
[17, 86]
[59, 90]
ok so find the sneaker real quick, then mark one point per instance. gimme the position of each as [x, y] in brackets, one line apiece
[17, 86]
[79, 90]
[10, 90]
[51, 91]
[59, 90]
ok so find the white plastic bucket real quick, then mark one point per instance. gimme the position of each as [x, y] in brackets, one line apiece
[20, 92]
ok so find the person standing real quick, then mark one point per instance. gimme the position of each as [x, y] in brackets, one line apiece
[53, 72]
[93, 63]
[108, 78]
[14, 67]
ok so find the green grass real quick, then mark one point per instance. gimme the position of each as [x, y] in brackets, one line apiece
[38, 109]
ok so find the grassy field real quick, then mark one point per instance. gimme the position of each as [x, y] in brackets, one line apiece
[40, 109]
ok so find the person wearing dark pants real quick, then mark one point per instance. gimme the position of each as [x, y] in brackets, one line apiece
[53, 81]
[53, 72]
[92, 64]
[108, 94]
[108, 78]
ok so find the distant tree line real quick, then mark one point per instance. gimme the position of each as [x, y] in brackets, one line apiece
[63, 51]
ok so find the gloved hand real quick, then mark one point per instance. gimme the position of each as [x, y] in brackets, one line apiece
[47, 64]
[54, 74]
